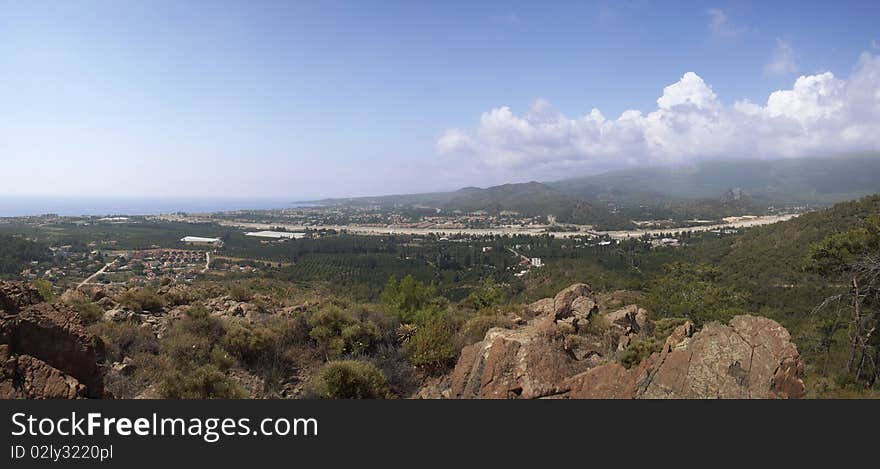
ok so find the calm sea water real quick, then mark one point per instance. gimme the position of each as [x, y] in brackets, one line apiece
[72, 206]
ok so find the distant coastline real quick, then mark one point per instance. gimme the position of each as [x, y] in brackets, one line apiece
[74, 206]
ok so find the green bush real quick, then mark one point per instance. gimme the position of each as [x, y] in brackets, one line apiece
[239, 292]
[44, 287]
[124, 339]
[694, 291]
[407, 298]
[142, 299]
[474, 330]
[189, 341]
[204, 382]
[338, 333]
[221, 359]
[89, 313]
[349, 379]
[431, 347]
[251, 345]
[640, 349]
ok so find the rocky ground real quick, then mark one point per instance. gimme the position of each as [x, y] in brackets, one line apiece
[44, 350]
[570, 346]
[571, 349]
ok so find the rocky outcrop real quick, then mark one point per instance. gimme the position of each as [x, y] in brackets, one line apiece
[525, 363]
[16, 295]
[751, 357]
[46, 352]
[574, 306]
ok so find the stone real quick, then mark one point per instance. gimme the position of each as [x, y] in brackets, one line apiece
[751, 357]
[14, 296]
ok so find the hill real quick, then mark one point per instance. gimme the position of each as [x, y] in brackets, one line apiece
[805, 181]
[532, 199]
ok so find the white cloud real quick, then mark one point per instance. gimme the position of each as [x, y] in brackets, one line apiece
[819, 115]
[783, 60]
[720, 24]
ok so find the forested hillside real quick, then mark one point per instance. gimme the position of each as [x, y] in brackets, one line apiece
[16, 253]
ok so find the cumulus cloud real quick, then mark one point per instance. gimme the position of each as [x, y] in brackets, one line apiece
[783, 60]
[819, 115]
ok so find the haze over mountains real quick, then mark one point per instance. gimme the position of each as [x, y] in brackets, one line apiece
[706, 189]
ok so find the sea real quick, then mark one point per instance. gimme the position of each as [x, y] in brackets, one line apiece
[76, 206]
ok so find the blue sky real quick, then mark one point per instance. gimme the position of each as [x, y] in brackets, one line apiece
[310, 99]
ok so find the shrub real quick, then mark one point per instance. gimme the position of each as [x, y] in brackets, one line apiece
[349, 379]
[694, 291]
[431, 347]
[125, 339]
[44, 288]
[221, 358]
[474, 330]
[204, 382]
[250, 344]
[337, 333]
[142, 299]
[405, 299]
[239, 292]
[640, 349]
[189, 341]
[89, 313]
[486, 295]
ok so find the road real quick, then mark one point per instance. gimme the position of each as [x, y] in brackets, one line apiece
[739, 222]
[89, 279]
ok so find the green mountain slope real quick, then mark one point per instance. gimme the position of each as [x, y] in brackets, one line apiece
[530, 199]
[820, 181]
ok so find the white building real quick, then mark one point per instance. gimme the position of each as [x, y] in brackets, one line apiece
[276, 234]
[200, 241]
[536, 262]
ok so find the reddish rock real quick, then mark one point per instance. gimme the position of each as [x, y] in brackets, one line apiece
[26, 377]
[53, 333]
[562, 303]
[45, 350]
[608, 381]
[752, 357]
[526, 363]
[17, 295]
[543, 307]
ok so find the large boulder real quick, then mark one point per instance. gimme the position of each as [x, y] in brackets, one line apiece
[751, 357]
[26, 377]
[575, 300]
[528, 363]
[46, 352]
[17, 295]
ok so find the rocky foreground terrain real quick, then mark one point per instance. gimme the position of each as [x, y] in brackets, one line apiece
[569, 346]
[567, 351]
[44, 350]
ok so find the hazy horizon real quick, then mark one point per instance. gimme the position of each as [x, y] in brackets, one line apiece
[275, 100]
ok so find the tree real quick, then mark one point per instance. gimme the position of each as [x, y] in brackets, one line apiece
[694, 291]
[407, 299]
[853, 255]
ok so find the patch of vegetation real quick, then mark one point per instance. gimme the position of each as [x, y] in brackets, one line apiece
[203, 382]
[142, 299]
[349, 379]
